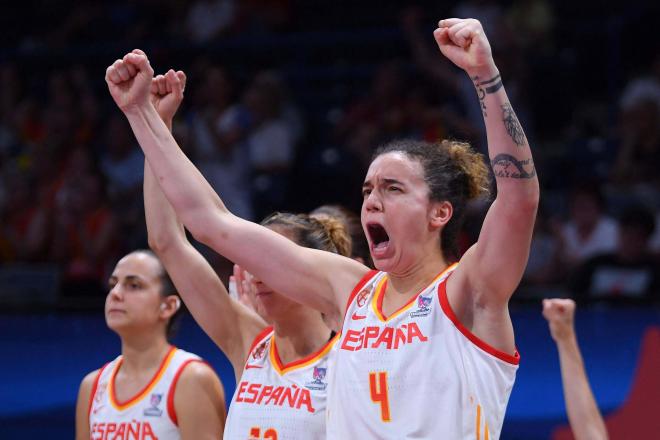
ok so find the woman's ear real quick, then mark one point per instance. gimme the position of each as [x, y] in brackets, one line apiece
[440, 213]
[170, 305]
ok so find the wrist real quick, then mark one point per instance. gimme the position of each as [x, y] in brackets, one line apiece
[137, 109]
[484, 72]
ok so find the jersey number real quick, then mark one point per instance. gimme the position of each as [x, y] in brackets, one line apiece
[378, 390]
[269, 434]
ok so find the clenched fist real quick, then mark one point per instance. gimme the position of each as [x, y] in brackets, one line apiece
[464, 42]
[167, 94]
[129, 81]
[559, 313]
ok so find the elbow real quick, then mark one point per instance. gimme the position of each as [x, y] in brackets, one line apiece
[161, 243]
[206, 226]
[524, 202]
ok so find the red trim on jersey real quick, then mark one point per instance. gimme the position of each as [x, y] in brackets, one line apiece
[369, 275]
[303, 361]
[381, 288]
[446, 307]
[171, 411]
[94, 387]
[161, 369]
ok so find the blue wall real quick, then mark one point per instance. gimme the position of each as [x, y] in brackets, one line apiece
[44, 357]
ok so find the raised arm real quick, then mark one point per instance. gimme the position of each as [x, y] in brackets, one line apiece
[319, 279]
[492, 268]
[232, 326]
[583, 414]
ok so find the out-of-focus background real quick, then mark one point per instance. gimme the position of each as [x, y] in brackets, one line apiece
[286, 100]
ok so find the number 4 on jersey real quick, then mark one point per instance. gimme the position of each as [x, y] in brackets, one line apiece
[378, 390]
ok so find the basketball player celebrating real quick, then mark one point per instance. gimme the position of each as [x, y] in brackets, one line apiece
[153, 390]
[281, 354]
[427, 347]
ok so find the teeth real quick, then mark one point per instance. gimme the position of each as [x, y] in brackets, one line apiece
[381, 245]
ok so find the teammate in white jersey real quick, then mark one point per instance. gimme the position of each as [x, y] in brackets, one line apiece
[462, 361]
[281, 353]
[152, 390]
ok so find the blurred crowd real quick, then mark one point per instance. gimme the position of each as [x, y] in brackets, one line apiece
[297, 131]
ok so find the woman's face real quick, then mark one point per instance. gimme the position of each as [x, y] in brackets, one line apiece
[396, 212]
[134, 300]
[269, 304]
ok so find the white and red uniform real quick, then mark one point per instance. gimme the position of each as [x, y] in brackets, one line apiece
[280, 402]
[150, 414]
[417, 373]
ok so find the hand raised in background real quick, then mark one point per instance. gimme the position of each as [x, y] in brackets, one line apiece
[560, 314]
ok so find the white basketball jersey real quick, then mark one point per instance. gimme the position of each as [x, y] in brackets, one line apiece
[148, 415]
[273, 401]
[417, 373]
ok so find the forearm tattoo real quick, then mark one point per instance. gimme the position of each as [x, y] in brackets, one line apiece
[512, 125]
[486, 88]
[505, 165]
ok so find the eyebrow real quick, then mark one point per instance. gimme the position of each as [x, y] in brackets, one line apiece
[127, 278]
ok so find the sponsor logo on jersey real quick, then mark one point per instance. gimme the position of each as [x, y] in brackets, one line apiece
[389, 338]
[318, 375]
[423, 306]
[132, 430]
[289, 396]
[361, 298]
[153, 410]
[356, 317]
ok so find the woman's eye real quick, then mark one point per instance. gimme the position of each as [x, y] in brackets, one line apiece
[366, 192]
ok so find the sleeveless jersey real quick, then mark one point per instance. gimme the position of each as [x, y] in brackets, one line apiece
[148, 415]
[418, 373]
[273, 401]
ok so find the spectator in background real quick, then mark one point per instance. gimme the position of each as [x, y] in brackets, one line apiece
[209, 18]
[588, 231]
[543, 265]
[217, 131]
[629, 272]
[121, 160]
[275, 129]
[84, 240]
[24, 223]
[377, 116]
[583, 414]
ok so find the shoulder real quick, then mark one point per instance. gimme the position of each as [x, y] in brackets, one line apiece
[197, 383]
[88, 382]
[197, 376]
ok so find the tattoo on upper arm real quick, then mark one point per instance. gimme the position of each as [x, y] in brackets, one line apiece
[505, 165]
[513, 126]
[486, 88]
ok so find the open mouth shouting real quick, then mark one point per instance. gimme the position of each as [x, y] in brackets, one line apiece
[379, 240]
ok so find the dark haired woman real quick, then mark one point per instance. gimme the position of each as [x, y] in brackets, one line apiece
[427, 347]
[280, 354]
[153, 389]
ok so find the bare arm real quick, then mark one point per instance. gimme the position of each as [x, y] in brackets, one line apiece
[228, 323]
[491, 270]
[319, 279]
[583, 414]
[82, 406]
[199, 402]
